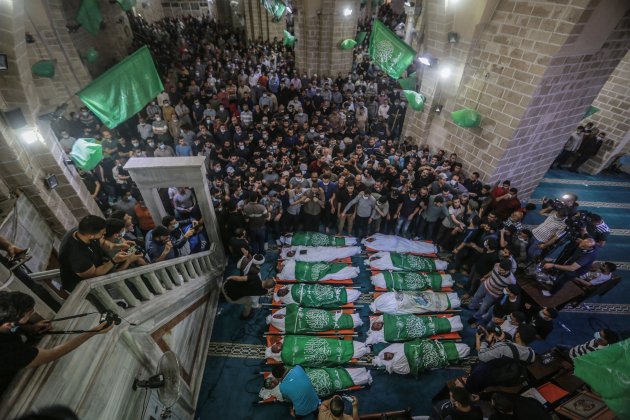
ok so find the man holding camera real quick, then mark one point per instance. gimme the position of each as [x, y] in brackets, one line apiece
[16, 308]
[332, 409]
[577, 264]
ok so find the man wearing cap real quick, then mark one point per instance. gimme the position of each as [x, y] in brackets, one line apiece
[491, 289]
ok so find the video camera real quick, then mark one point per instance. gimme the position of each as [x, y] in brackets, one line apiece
[110, 318]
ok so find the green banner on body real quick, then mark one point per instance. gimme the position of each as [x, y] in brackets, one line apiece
[412, 262]
[300, 320]
[89, 16]
[429, 354]
[607, 371]
[412, 281]
[388, 51]
[275, 7]
[316, 239]
[319, 296]
[124, 90]
[314, 271]
[316, 351]
[408, 327]
[328, 381]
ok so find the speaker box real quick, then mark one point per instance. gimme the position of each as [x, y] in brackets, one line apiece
[15, 118]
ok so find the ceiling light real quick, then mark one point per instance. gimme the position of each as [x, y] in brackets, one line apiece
[445, 72]
[347, 11]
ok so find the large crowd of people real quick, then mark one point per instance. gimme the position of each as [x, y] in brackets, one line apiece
[291, 152]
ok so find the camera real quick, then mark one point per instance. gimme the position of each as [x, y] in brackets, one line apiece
[110, 318]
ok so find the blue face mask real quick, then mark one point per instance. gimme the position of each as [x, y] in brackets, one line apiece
[15, 328]
[597, 335]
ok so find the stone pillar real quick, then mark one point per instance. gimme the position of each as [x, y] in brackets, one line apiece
[531, 71]
[320, 25]
[613, 118]
[412, 12]
[259, 23]
[152, 173]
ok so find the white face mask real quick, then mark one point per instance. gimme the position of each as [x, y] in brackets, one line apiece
[135, 144]
[162, 146]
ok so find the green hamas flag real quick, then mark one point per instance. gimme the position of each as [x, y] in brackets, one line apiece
[412, 262]
[590, 111]
[126, 5]
[328, 381]
[360, 37]
[89, 16]
[415, 99]
[466, 118]
[300, 320]
[319, 295]
[123, 90]
[316, 239]
[607, 372]
[429, 354]
[86, 154]
[44, 68]
[408, 83]
[314, 271]
[412, 281]
[316, 351]
[275, 7]
[347, 44]
[408, 327]
[288, 40]
[388, 51]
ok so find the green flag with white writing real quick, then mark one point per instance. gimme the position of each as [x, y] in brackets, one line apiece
[412, 262]
[316, 239]
[429, 354]
[275, 7]
[327, 381]
[124, 90]
[388, 51]
[126, 5]
[315, 271]
[300, 320]
[319, 295]
[412, 281]
[89, 16]
[316, 351]
[408, 327]
[416, 100]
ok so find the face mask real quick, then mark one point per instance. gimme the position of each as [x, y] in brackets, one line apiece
[162, 146]
[158, 119]
[175, 226]
[65, 136]
[150, 143]
[453, 182]
[84, 114]
[241, 147]
[135, 144]
[597, 335]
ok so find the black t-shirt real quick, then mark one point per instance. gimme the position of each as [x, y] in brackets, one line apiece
[15, 355]
[75, 256]
[236, 244]
[238, 289]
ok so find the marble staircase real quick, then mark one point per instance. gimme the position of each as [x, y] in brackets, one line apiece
[164, 306]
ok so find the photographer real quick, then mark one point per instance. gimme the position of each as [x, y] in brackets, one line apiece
[332, 409]
[159, 245]
[547, 233]
[15, 310]
[577, 264]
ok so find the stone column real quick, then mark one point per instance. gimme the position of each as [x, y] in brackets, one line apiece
[613, 118]
[412, 12]
[320, 25]
[259, 23]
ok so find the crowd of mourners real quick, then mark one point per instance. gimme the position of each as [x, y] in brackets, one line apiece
[287, 151]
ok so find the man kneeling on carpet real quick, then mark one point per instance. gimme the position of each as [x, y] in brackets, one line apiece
[248, 285]
[292, 385]
[419, 355]
[294, 319]
[316, 295]
[315, 351]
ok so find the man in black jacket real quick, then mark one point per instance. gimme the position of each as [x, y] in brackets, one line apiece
[589, 148]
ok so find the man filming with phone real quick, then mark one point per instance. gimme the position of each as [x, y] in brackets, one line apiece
[16, 351]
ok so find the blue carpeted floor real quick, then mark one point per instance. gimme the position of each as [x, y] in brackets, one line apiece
[230, 384]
